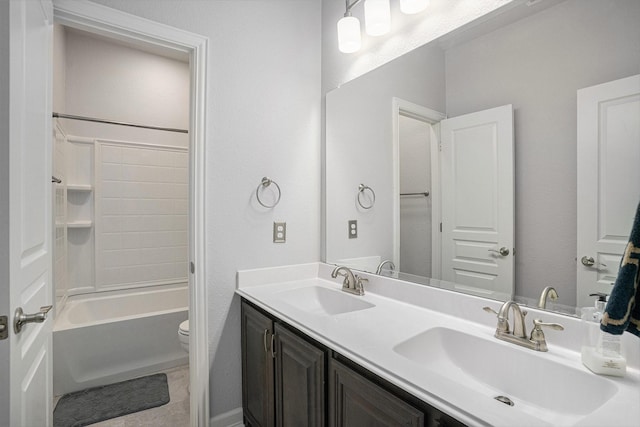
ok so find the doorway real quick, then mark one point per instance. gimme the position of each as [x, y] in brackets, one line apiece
[416, 186]
[131, 30]
[415, 196]
[121, 117]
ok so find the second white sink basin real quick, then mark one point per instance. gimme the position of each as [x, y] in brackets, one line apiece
[537, 385]
[323, 301]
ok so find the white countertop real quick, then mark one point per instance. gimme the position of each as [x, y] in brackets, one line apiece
[404, 309]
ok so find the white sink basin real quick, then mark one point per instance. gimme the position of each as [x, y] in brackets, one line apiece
[323, 301]
[536, 384]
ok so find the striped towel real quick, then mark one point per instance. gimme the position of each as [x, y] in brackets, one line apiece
[623, 308]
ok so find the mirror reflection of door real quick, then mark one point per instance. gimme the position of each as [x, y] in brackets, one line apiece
[477, 184]
[608, 171]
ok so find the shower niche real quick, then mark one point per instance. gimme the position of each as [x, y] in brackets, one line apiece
[74, 214]
[80, 214]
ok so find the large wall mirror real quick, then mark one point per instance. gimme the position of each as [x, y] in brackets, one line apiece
[459, 162]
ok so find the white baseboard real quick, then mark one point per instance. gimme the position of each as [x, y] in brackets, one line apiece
[232, 418]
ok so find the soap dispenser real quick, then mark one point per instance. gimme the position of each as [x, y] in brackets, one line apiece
[600, 350]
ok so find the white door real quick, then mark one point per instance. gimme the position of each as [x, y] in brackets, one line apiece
[30, 210]
[608, 181]
[478, 202]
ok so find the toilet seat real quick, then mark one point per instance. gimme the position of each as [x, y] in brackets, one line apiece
[183, 329]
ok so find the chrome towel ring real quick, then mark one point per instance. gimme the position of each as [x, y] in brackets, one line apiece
[361, 189]
[266, 182]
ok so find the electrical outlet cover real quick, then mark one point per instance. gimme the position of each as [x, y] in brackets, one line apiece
[279, 232]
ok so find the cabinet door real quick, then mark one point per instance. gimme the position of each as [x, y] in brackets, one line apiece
[257, 368]
[299, 381]
[355, 401]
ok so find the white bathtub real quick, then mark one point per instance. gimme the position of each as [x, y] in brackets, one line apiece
[99, 340]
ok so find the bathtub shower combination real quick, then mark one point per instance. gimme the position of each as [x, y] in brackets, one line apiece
[120, 260]
[102, 339]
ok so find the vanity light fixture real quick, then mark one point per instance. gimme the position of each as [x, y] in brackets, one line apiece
[349, 38]
[377, 16]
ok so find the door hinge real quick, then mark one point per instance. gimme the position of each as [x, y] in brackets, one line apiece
[192, 267]
[441, 227]
[4, 329]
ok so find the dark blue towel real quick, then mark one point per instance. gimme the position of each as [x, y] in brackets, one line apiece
[623, 308]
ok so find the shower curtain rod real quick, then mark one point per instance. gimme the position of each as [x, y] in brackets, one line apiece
[112, 122]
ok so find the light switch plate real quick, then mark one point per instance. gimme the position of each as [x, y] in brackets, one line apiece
[279, 232]
[353, 229]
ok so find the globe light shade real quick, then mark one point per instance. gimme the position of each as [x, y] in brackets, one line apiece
[377, 17]
[349, 38]
[411, 7]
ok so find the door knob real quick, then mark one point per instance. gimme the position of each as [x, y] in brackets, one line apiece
[503, 251]
[590, 262]
[20, 318]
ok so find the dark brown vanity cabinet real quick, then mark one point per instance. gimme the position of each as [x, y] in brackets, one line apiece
[289, 380]
[282, 374]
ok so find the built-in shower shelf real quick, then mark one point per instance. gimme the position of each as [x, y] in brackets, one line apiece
[79, 187]
[80, 224]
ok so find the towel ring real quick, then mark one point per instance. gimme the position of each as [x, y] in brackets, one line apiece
[264, 184]
[361, 189]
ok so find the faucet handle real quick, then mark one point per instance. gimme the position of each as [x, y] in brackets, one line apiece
[503, 324]
[537, 335]
[490, 310]
[538, 324]
[360, 281]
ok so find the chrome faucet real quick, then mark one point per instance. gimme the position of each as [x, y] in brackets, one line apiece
[392, 266]
[536, 341]
[352, 283]
[548, 292]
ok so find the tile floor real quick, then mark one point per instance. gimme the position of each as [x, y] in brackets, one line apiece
[173, 414]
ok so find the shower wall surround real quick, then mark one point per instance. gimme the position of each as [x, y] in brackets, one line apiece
[141, 215]
[125, 216]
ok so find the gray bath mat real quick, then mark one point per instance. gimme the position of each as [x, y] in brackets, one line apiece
[96, 404]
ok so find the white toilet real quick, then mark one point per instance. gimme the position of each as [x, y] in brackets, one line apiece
[183, 335]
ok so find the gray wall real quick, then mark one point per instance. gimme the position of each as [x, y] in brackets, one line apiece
[538, 65]
[4, 205]
[263, 118]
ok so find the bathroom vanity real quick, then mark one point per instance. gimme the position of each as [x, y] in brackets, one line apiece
[406, 354]
[278, 361]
